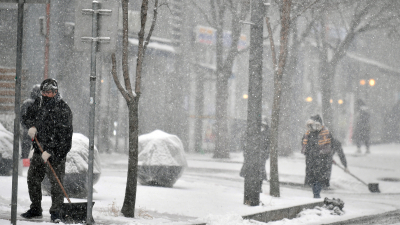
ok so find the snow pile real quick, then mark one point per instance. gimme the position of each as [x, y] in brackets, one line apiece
[77, 158]
[332, 208]
[160, 148]
[308, 216]
[336, 205]
[6, 143]
[311, 215]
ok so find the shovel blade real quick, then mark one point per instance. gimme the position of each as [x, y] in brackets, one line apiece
[74, 212]
[374, 187]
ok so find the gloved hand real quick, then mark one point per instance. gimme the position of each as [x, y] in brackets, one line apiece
[45, 156]
[32, 132]
[346, 170]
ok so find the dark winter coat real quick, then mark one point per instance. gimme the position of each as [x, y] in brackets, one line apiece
[264, 154]
[362, 127]
[336, 148]
[52, 118]
[317, 147]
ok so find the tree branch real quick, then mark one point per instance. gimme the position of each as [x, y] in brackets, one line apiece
[153, 24]
[205, 15]
[236, 34]
[307, 7]
[125, 69]
[214, 14]
[272, 43]
[116, 80]
[221, 13]
[140, 55]
[232, 8]
[305, 33]
[341, 48]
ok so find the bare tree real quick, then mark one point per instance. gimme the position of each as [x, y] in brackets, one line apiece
[224, 62]
[251, 170]
[349, 19]
[278, 66]
[289, 126]
[132, 97]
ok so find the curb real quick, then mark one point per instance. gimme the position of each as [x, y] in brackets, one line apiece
[278, 214]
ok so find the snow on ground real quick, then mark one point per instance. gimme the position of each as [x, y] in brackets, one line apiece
[211, 191]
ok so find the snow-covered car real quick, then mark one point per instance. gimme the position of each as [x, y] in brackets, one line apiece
[161, 159]
[76, 168]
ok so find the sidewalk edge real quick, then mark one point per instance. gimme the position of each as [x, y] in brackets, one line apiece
[278, 214]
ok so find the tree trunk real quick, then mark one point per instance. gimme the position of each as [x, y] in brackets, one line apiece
[221, 117]
[199, 112]
[132, 98]
[221, 112]
[224, 65]
[252, 163]
[128, 208]
[285, 122]
[327, 79]
[285, 23]
[288, 118]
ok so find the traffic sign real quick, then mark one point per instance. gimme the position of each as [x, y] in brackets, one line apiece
[107, 23]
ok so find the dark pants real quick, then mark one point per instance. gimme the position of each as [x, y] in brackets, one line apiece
[364, 141]
[37, 170]
[316, 188]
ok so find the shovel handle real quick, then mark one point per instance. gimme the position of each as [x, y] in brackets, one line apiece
[349, 173]
[54, 172]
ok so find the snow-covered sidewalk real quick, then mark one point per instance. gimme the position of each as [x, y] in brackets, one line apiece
[211, 191]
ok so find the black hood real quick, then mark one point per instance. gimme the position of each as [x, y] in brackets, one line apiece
[35, 91]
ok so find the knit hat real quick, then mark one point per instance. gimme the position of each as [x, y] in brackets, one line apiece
[49, 84]
[314, 123]
[316, 118]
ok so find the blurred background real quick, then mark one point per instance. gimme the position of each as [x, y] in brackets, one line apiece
[340, 51]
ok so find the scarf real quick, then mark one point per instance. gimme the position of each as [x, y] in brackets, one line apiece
[324, 140]
[50, 103]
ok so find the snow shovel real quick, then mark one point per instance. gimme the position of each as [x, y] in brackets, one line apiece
[70, 212]
[373, 187]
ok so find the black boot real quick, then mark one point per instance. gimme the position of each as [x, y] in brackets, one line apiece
[32, 213]
[316, 188]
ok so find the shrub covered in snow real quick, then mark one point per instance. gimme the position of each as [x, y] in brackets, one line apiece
[161, 159]
[76, 168]
[77, 158]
